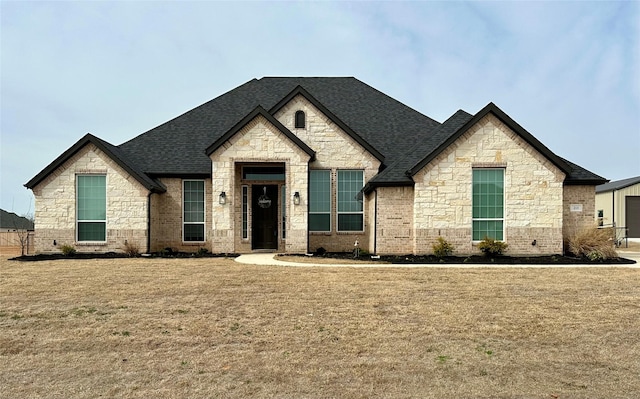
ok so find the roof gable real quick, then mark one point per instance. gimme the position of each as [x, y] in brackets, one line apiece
[110, 150]
[491, 108]
[300, 91]
[259, 111]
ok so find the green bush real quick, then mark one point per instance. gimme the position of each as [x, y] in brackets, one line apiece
[68, 250]
[492, 247]
[442, 248]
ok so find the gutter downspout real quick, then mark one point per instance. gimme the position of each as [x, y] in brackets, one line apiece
[375, 222]
[308, 193]
[149, 222]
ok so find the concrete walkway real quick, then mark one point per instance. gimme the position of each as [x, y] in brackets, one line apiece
[269, 259]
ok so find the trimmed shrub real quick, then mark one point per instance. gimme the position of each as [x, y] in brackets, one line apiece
[442, 248]
[68, 250]
[492, 247]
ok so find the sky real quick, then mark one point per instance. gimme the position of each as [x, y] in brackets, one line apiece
[568, 72]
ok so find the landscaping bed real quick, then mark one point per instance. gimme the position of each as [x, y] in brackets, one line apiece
[472, 259]
[117, 255]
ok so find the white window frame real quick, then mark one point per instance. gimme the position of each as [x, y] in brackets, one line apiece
[204, 212]
[245, 212]
[78, 221]
[494, 219]
[330, 205]
[338, 212]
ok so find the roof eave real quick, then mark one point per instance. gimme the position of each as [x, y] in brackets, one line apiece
[371, 186]
[260, 111]
[91, 139]
[584, 182]
[491, 108]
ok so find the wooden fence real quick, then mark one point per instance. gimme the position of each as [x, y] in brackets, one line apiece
[11, 243]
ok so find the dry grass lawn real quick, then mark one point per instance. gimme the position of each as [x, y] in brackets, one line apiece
[207, 328]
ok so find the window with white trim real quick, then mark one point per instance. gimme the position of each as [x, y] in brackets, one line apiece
[245, 212]
[320, 200]
[350, 209]
[193, 211]
[91, 208]
[283, 201]
[488, 204]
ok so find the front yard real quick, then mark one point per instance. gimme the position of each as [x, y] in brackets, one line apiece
[210, 327]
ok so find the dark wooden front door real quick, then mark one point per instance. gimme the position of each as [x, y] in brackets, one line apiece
[264, 220]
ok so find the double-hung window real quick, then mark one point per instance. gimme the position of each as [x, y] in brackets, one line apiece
[91, 208]
[350, 209]
[193, 210]
[488, 204]
[320, 200]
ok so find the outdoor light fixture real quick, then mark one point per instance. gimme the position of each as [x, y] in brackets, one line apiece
[296, 198]
[222, 199]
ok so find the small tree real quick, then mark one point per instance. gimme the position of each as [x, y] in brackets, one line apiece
[21, 226]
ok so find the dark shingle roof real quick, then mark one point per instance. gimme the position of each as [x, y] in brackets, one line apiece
[618, 184]
[9, 220]
[398, 172]
[403, 139]
[387, 125]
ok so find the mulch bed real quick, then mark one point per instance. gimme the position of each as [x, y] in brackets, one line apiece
[478, 259]
[394, 259]
[116, 255]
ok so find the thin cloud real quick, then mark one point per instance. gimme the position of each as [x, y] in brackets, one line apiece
[569, 72]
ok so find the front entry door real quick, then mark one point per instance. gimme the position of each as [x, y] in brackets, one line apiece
[264, 222]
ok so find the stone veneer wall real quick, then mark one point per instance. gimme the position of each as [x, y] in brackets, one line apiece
[335, 150]
[394, 231]
[55, 205]
[533, 193]
[166, 218]
[258, 142]
[575, 221]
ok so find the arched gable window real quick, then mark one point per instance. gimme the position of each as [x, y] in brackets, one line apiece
[300, 120]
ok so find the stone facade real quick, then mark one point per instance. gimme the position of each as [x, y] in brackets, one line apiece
[258, 143]
[335, 150]
[533, 193]
[55, 205]
[539, 210]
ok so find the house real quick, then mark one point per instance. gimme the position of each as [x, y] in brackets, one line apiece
[618, 204]
[10, 222]
[296, 164]
[16, 234]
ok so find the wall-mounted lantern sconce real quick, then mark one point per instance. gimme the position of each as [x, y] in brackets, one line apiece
[296, 198]
[54, 243]
[222, 199]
